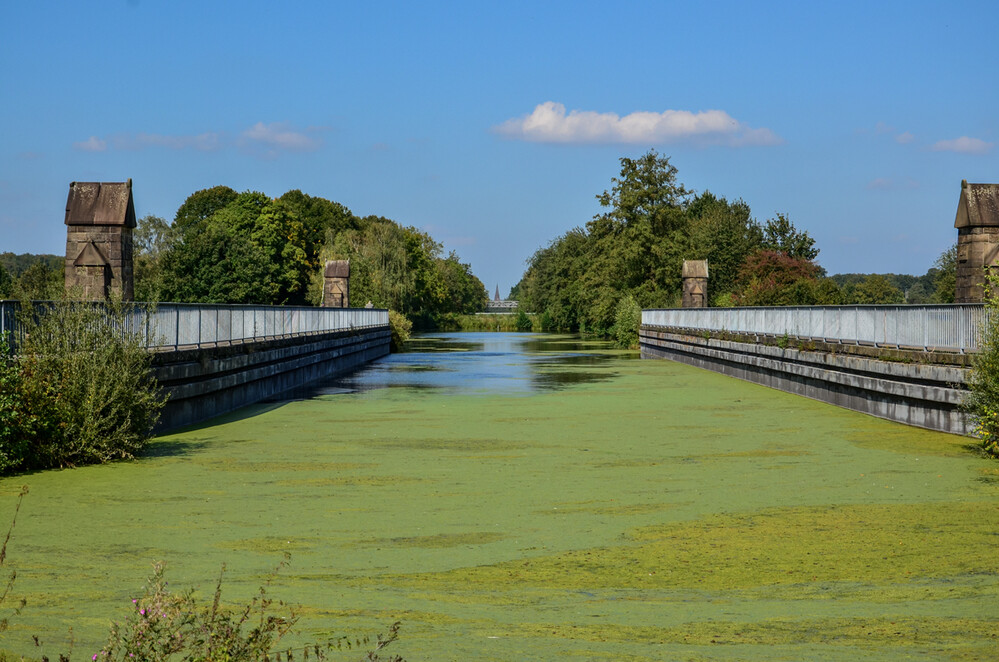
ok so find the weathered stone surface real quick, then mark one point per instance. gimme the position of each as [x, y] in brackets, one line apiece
[977, 223]
[928, 396]
[336, 284]
[695, 284]
[99, 221]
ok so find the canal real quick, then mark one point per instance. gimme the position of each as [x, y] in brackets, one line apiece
[527, 496]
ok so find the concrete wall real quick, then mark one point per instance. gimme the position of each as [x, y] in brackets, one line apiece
[920, 394]
[207, 382]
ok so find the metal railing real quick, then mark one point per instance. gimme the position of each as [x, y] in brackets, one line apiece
[943, 327]
[175, 325]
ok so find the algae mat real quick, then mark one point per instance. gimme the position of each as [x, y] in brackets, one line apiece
[539, 498]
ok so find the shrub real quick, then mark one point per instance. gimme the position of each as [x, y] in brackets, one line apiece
[29, 417]
[79, 390]
[165, 626]
[983, 397]
[772, 278]
[627, 319]
[401, 330]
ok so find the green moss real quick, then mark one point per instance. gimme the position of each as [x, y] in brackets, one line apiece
[901, 633]
[865, 544]
[439, 540]
[663, 504]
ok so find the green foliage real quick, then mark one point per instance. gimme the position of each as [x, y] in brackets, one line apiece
[495, 322]
[937, 285]
[249, 251]
[401, 330]
[215, 265]
[320, 218]
[152, 239]
[724, 234]
[40, 282]
[29, 416]
[17, 264]
[982, 401]
[780, 235]
[202, 205]
[945, 278]
[627, 319]
[228, 247]
[78, 391]
[6, 283]
[636, 248]
[403, 269]
[875, 289]
[772, 278]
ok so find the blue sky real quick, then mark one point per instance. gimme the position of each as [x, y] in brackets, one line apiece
[494, 125]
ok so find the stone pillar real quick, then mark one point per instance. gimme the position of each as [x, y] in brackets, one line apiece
[695, 284]
[336, 284]
[100, 217]
[977, 224]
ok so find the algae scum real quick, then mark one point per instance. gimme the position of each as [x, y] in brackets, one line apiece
[537, 497]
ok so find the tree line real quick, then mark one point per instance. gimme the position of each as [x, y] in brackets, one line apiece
[229, 247]
[629, 256]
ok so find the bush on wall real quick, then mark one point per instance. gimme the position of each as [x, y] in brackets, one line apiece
[983, 400]
[78, 389]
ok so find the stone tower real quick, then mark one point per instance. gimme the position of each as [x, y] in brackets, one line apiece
[695, 284]
[100, 218]
[977, 224]
[336, 284]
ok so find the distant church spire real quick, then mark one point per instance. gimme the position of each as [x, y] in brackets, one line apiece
[497, 297]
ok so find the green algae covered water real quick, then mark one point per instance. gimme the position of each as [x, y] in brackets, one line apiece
[512, 497]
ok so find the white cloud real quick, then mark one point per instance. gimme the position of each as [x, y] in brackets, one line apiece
[904, 138]
[279, 136]
[549, 123]
[91, 144]
[881, 127]
[964, 145]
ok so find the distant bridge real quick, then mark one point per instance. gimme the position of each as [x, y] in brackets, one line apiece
[500, 306]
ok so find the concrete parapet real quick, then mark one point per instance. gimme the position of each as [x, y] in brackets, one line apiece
[923, 395]
[208, 382]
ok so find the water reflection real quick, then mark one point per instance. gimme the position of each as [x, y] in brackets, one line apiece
[484, 363]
